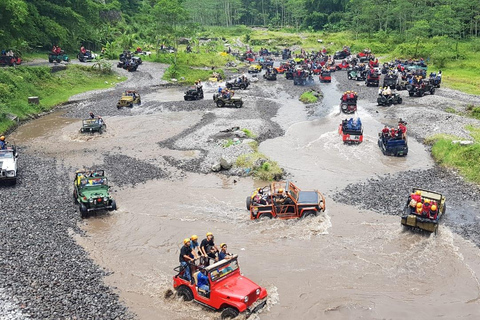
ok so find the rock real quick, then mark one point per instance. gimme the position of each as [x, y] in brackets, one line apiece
[240, 134]
[226, 163]
[247, 141]
[216, 167]
[462, 142]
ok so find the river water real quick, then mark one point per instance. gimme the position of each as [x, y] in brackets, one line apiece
[344, 264]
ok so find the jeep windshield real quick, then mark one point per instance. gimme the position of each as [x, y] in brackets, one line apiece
[6, 154]
[223, 268]
[93, 182]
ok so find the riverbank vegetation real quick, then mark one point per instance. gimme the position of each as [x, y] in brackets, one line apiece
[17, 84]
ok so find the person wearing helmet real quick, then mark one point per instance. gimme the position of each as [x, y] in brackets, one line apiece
[426, 208]
[433, 212]
[195, 246]
[208, 249]
[186, 258]
[223, 254]
[419, 209]
[3, 144]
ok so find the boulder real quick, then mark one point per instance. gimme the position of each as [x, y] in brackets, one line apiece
[216, 167]
[226, 163]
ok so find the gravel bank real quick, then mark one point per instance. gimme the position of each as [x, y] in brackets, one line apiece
[44, 272]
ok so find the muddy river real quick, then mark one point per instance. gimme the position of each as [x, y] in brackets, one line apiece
[344, 264]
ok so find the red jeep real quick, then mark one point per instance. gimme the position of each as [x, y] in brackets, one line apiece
[285, 201]
[230, 291]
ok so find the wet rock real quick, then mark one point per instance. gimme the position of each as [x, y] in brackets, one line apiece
[216, 167]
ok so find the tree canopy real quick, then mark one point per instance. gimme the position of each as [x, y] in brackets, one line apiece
[95, 23]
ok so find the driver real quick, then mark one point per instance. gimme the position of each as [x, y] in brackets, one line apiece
[202, 279]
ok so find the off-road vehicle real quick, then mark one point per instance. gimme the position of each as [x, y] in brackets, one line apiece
[8, 164]
[129, 98]
[221, 101]
[91, 192]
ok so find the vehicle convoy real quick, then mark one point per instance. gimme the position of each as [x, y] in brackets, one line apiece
[8, 164]
[222, 101]
[229, 290]
[91, 192]
[93, 125]
[129, 97]
[423, 210]
[193, 93]
[284, 200]
[351, 131]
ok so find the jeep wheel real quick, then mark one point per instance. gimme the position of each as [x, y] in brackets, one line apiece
[410, 93]
[185, 293]
[400, 100]
[309, 213]
[114, 206]
[265, 216]
[238, 104]
[249, 202]
[229, 313]
[75, 199]
[83, 211]
[432, 91]
[220, 103]
[139, 102]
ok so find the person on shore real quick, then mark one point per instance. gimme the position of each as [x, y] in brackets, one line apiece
[186, 258]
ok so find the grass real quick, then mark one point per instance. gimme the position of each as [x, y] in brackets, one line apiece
[464, 158]
[16, 84]
[259, 166]
[310, 96]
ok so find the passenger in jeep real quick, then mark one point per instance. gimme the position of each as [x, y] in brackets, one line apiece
[223, 254]
[3, 143]
[186, 258]
[203, 283]
[208, 249]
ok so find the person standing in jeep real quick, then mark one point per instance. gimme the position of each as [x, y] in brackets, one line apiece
[208, 249]
[186, 258]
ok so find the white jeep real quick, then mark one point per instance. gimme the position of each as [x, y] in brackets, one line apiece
[8, 164]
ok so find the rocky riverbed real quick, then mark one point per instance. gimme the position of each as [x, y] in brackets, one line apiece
[46, 274]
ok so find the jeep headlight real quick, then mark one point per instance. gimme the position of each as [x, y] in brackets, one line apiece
[90, 200]
[245, 299]
[11, 173]
[257, 292]
[105, 199]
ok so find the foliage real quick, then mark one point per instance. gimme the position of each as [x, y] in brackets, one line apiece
[52, 88]
[259, 166]
[461, 157]
[309, 97]
[249, 133]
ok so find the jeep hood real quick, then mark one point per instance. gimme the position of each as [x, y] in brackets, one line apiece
[236, 287]
[7, 164]
[94, 192]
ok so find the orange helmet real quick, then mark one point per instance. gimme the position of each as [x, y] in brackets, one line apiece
[2, 138]
[419, 205]
[418, 192]
[427, 201]
[434, 208]
[186, 240]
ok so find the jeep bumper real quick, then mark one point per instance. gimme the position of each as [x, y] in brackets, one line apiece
[257, 305]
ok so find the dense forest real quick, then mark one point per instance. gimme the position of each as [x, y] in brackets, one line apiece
[38, 24]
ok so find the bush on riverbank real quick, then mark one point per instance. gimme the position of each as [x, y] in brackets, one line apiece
[260, 166]
[455, 155]
[17, 84]
[310, 96]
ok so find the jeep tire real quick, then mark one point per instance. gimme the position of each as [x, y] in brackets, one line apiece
[229, 313]
[114, 206]
[83, 211]
[248, 202]
[185, 293]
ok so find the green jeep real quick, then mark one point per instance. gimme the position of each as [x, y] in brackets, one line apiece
[128, 98]
[93, 125]
[90, 191]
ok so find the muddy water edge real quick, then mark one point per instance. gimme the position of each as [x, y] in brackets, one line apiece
[344, 264]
